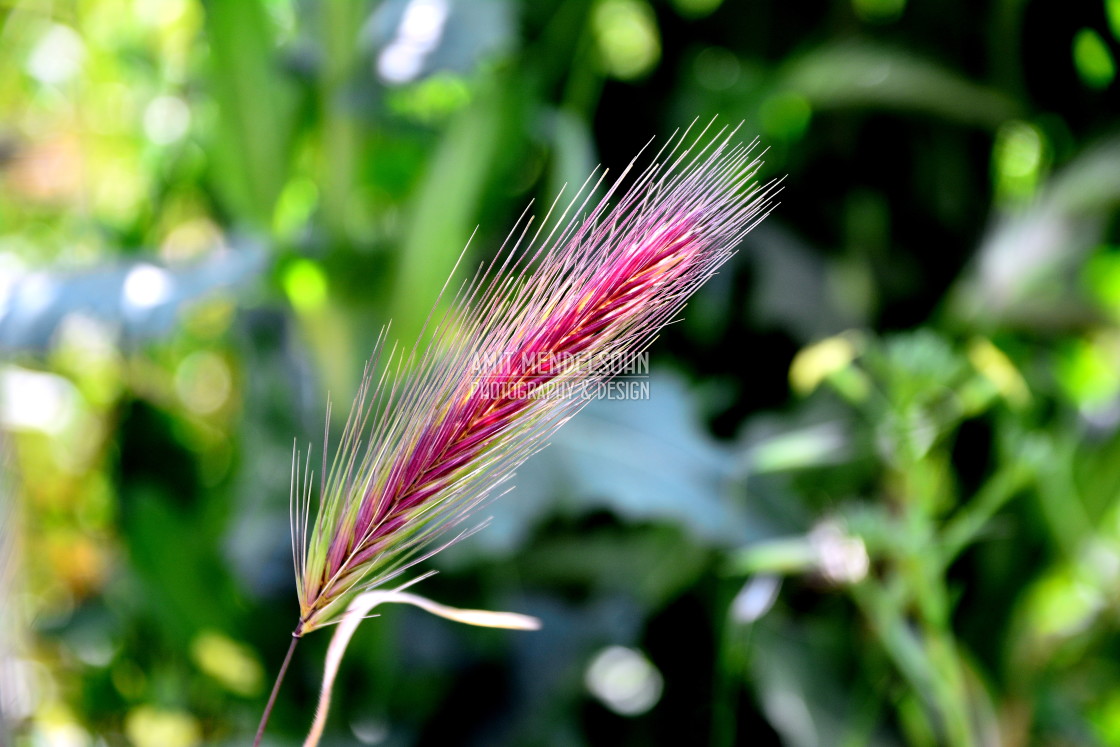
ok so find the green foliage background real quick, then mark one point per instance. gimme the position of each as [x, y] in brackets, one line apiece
[873, 498]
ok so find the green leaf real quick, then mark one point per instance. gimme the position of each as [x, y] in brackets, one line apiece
[256, 107]
[846, 75]
[446, 207]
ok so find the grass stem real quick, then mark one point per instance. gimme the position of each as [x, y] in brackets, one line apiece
[275, 691]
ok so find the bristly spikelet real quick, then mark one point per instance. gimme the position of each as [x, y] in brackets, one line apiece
[552, 313]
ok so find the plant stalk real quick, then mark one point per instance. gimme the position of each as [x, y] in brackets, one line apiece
[275, 690]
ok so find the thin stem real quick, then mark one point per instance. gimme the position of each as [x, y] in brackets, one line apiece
[275, 690]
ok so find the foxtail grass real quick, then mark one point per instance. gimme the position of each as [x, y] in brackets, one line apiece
[563, 307]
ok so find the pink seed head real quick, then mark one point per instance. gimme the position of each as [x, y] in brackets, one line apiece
[555, 310]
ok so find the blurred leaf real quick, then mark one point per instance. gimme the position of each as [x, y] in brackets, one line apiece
[340, 134]
[1018, 156]
[1093, 60]
[845, 74]
[173, 553]
[824, 360]
[431, 100]
[650, 460]
[696, 8]
[152, 726]
[1023, 270]
[1090, 183]
[306, 285]
[256, 107]
[446, 206]
[785, 115]
[1086, 371]
[806, 697]
[650, 565]
[573, 148]
[280, 401]
[879, 11]
[826, 443]
[643, 460]
[627, 35]
[1000, 370]
[794, 287]
[232, 663]
[917, 368]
